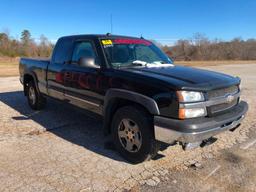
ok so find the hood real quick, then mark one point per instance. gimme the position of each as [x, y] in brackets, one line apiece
[187, 77]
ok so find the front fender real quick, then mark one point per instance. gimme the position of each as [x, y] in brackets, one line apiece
[114, 94]
[138, 98]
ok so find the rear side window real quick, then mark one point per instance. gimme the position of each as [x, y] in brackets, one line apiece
[62, 51]
[83, 49]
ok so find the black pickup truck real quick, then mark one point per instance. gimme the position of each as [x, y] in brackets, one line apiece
[145, 99]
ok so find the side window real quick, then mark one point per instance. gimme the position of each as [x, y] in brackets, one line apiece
[83, 49]
[62, 51]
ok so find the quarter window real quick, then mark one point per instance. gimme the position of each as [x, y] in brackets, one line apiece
[62, 51]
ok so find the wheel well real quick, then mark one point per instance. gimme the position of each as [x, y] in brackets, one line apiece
[27, 78]
[113, 106]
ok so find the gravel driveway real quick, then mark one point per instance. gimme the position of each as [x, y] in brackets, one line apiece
[63, 149]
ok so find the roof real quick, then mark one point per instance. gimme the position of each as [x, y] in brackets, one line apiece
[97, 36]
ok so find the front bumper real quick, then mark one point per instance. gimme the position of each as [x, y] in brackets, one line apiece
[196, 130]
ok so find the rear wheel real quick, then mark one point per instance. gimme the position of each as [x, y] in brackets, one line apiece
[35, 100]
[132, 132]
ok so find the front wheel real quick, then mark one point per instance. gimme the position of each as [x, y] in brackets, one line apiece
[35, 100]
[132, 133]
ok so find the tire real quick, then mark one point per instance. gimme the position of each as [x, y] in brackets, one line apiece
[35, 100]
[138, 144]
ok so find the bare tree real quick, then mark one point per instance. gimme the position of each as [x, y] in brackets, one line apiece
[45, 47]
[199, 47]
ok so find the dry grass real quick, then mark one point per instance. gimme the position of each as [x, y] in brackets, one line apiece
[213, 63]
[10, 67]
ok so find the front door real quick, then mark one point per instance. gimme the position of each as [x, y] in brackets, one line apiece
[82, 82]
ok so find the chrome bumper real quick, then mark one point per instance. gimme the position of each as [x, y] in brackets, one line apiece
[196, 130]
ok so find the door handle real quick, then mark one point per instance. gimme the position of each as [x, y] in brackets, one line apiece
[68, 75]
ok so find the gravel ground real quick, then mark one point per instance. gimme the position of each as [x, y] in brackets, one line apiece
[232, 170]
[63, 149]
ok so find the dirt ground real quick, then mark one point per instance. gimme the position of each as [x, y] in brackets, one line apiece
[63, 149]
[232, 170]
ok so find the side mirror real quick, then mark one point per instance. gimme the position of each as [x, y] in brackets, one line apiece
[88, 62]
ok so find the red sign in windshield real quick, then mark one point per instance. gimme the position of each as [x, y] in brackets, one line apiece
[132, 41]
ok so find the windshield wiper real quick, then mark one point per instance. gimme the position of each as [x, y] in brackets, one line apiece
[138, 63]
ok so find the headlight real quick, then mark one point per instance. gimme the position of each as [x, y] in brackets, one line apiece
[240, 87]
[191, 113]
[190, 96]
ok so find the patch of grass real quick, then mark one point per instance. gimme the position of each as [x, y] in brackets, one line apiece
[8, 69]
[13, 63]
[213, 63]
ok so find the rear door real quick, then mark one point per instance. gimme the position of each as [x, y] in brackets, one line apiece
[82, 83]
[55, 74]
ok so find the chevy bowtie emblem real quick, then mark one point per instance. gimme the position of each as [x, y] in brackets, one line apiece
[230, 98]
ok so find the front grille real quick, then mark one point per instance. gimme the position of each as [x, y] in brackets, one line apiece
[222, 107]
[222, 92]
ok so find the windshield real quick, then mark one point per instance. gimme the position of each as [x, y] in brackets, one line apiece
[133, 52]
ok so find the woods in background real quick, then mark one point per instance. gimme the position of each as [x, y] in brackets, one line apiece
[26, 46]
[197, 48]
[201, 48]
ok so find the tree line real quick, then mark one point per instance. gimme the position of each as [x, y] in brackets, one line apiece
[26, 46]
[199, 47]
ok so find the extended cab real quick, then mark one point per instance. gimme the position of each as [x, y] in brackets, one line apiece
[143, 97]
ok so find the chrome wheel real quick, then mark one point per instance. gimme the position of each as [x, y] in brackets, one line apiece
[32, 95]
[129, 135]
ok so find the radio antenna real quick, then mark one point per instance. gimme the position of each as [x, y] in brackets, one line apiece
[111, 23]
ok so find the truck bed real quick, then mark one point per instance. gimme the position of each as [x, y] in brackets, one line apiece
[38, 68]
